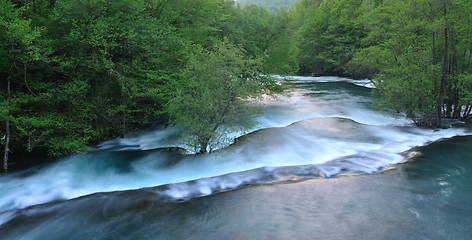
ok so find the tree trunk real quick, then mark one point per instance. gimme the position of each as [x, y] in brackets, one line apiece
[435, 62]
[203, 142]
[444, 69]
[457, 111]
[34, 6]
[448, 109]
[454, 70]
[123, 125]
[7, 122]
[464, 116]
[470, 55]
[203, 146]
[7, 142]
[468, 112]
[437, 119]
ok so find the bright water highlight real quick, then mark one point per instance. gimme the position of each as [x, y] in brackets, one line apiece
[321, 128]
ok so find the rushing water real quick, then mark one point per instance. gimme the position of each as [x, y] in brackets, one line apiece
[282, 181]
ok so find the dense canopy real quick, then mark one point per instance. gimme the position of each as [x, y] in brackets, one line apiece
[75, 72]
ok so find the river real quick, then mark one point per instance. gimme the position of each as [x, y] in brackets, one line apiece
[321, 163]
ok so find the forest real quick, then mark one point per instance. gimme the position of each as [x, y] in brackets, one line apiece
[77, 72]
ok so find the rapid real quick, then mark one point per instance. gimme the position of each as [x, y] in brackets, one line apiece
[321, 129]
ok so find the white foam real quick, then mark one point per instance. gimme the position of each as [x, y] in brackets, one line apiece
[368, 141]
[305, 79]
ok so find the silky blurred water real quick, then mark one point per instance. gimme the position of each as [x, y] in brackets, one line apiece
[296, 176]
[426, 198]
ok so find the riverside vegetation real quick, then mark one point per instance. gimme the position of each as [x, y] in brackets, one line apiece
[80, 71]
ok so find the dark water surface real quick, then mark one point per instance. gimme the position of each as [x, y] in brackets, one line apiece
[322, 164]
[429, 197]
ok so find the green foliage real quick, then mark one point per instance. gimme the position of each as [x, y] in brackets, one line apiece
[399, 59]
[281, 53]
[253, 29]
[408, 86]
[328, 34]
[417, 51]
[87, 70]
[464, 87]
[264, 35]
[415, 33]
[17, 49]
[122, 52]
[210, 97]
[196, 20]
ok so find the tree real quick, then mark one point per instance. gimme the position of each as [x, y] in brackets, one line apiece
[419, 54]
[102, 71]
[16, 41]
[281, 52]
[210, 98]
[399, 49]
[123, 52]
[328, 36]
[263, 35]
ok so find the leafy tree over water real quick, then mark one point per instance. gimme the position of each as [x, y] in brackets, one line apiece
[210, 98]
[418, 52]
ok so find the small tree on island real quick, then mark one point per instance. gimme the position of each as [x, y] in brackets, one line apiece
[210, 97]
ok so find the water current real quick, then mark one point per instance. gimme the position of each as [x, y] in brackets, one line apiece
[321, 163]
